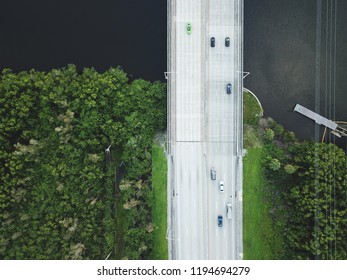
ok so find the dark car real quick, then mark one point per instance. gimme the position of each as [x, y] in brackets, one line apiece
[229, 88]
[213, 42]
[227, 41]
[220, 221]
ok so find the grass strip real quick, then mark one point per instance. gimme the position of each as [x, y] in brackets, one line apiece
[159, 182]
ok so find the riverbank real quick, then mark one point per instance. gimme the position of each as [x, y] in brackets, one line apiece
[262, 240]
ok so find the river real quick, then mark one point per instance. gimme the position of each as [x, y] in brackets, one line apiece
[279, 47]
[280, 52]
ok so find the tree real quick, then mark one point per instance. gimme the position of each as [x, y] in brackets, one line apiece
[57, 195]
[317, 220]
[269, 134]
[274, 164]
[290, 169]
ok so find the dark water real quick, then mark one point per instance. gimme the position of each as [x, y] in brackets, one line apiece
[45, 34]
[280, 47]
[280, 53]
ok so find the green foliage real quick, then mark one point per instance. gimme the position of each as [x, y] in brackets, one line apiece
[137, 199]
[278, 129]
[251, 137]
[317, 223]
[146, 115]
[251, 109]
[57, 196]
[159, 183]
[310, 196]
[286, 137]
[290, 169]
[290, 137]
[269, 134]
[274, 164]
[263, 225]
[275, 157]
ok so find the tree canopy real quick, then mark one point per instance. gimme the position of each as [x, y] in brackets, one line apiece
[307, 185]
[57, 196]
[317, 224]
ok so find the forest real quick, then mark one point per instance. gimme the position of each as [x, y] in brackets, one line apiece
[73, 145]
[308, 186]
[75, 171]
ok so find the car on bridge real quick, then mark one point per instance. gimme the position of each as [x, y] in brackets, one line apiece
[188, 28]
[213, 42]
[213, 173]
[227, 42]
[229, 88]
[220, 221]
[221, 186]
[229, 214]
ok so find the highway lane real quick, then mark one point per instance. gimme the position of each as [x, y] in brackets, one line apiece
[189, 81]
[204, 129]
[190, 194]
[221, 119]
[191, 201]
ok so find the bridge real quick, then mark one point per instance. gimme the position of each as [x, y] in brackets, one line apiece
[205, 54]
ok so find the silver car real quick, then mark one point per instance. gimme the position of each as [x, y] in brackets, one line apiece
[229, 211]
[213, 173]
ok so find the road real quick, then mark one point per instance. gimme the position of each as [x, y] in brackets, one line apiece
[204, 129]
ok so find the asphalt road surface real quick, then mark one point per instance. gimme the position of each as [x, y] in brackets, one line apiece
[205, 128]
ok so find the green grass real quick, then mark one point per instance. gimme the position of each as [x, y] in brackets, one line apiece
[252, 112]
[262, 237]
[251, 109]
[263, 217]
[159, 182]
[251, 137]
[254, 210]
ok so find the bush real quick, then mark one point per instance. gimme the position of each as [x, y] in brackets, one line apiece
[274, 164]
[269, 134]
[290, 169]
[278, 129]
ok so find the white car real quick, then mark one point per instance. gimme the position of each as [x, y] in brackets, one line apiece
[221, 186]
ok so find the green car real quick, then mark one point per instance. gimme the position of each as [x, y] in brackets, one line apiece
[188, 28]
